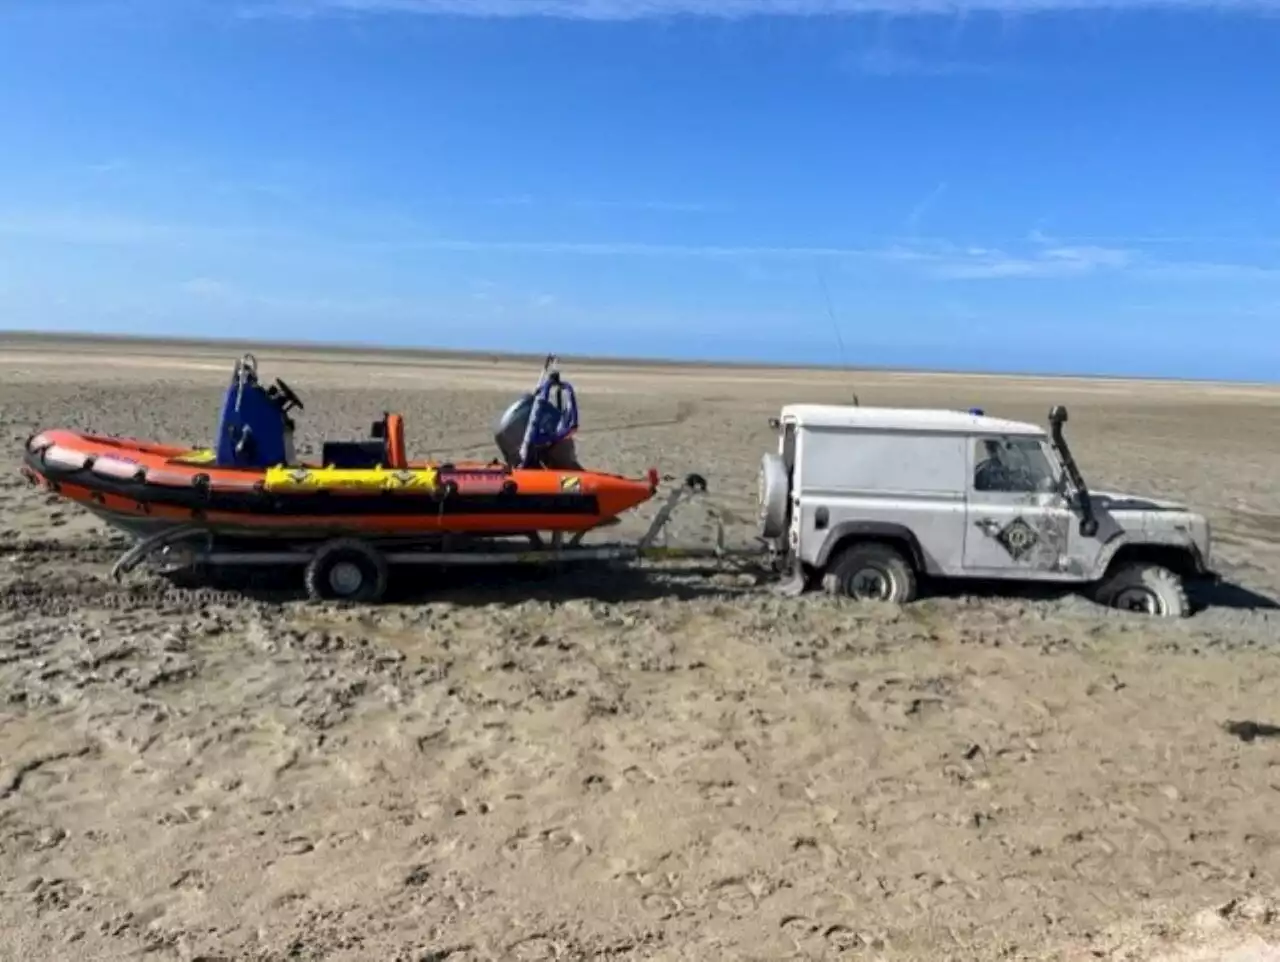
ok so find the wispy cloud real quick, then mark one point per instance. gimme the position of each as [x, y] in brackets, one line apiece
[1049, 258]
[1038, 257]
[1209, 270]
[954, 262]
[622, 248]
[668, 206]
[587, 203]
[1197, 309]
[1165, 240]
[114, 166]
[224, 295]
[207, 288]
[1044, 263]
[123, 231]
[108, 230]
[888, 62]
[615, 10]
[508, 200]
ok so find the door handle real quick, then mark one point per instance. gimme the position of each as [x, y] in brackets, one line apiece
[987, 524]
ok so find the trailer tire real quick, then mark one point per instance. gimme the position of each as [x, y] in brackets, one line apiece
[347, 570]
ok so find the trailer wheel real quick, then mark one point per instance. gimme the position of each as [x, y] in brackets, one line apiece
[347, 570]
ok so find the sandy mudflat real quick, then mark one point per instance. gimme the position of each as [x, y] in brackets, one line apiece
[638, 766]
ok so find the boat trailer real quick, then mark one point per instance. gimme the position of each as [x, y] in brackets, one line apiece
[355, 569]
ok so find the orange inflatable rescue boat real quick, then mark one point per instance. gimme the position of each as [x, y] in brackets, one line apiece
[250, 484]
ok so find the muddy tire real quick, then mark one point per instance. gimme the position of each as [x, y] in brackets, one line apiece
[872, 572]
[1146, 589]
[347, 570]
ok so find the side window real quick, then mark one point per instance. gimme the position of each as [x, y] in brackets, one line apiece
[789, 446]
[1011, 465]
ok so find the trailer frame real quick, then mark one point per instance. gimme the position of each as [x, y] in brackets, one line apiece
[357, 569]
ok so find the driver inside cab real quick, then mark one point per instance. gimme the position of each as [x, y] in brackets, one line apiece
[1008, 466]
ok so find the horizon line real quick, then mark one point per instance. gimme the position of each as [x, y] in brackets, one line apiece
[388, 353]
[631, 11]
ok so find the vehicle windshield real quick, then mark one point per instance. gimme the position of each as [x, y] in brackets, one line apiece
[1019, 465]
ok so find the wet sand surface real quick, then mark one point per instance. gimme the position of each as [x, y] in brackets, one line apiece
[664, 763]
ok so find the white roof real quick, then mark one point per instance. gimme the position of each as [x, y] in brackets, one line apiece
[904, 419]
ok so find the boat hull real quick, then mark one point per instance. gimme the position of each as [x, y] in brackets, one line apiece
[141, 487]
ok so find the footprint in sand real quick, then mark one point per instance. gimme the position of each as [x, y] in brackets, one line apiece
[184, 815]
[661, 905]
[724, 792]
[813, 937]
[547, 840]
[637, 776]
[536, 948]
[740, 896]
[54, 895]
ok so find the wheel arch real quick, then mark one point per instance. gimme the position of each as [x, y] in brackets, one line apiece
[847, 533]
[1183, 559]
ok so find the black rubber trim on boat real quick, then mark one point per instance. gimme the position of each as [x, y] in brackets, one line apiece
[322, 504]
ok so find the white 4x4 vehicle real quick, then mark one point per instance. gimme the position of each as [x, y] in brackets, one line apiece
[869, 499]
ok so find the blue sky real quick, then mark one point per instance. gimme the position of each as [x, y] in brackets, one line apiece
[1045, 185]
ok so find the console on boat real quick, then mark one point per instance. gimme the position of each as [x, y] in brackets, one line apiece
[256, 430]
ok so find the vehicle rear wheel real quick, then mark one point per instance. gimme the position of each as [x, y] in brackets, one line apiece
[1145, 588]
[872, 571]
[347, 570]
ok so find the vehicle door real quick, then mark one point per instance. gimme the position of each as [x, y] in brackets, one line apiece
[1018, 522]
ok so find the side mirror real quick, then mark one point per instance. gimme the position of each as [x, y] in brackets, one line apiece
[775, 423]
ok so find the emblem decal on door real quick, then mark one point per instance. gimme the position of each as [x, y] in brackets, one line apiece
[1017, 538]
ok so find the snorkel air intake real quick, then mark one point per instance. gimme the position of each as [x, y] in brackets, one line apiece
[1057, 418]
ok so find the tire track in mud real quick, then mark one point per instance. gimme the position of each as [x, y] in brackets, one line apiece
[61, 596]
[76, 551]
[1249, 529]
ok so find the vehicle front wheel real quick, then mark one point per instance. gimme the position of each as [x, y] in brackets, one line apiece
[1145, 588]
[872, 572]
